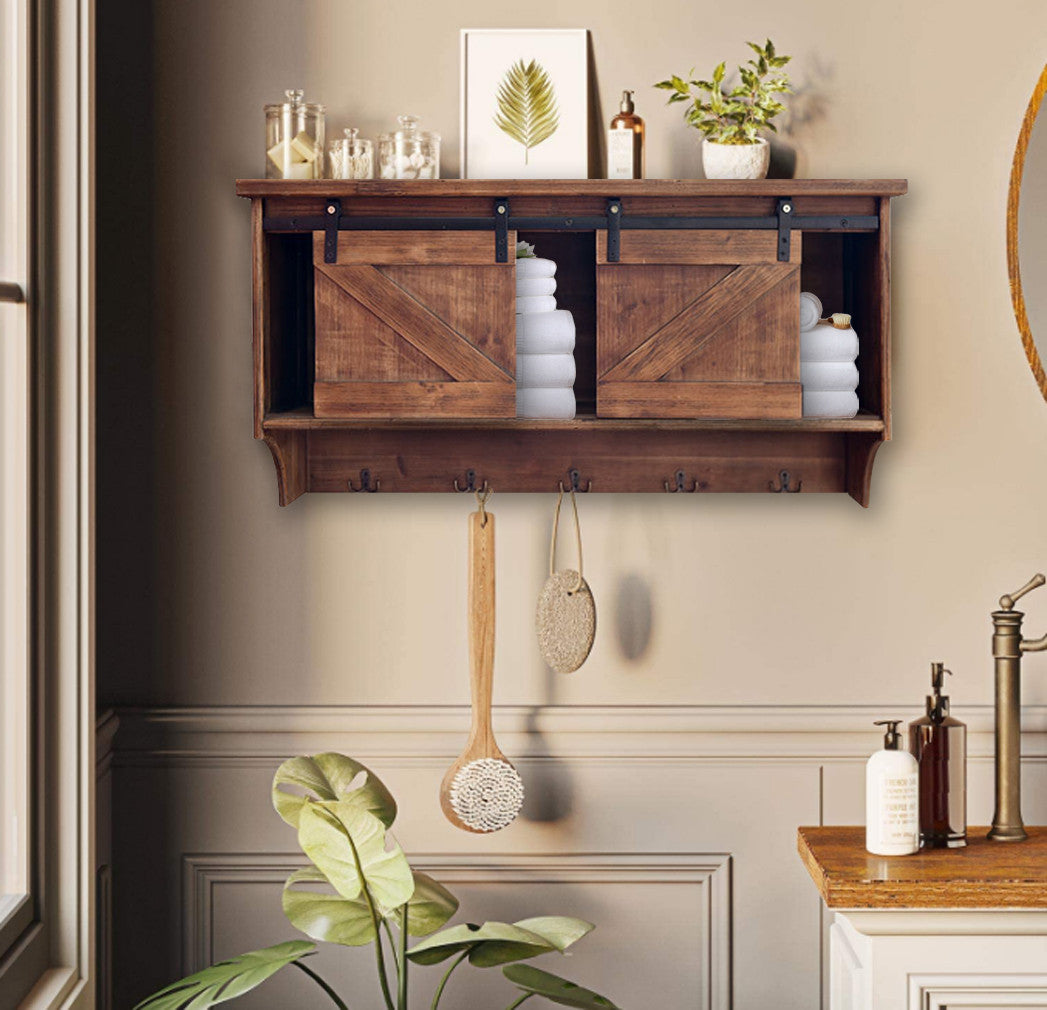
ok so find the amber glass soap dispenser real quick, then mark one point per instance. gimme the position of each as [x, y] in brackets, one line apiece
[625, 142]
[939, 744]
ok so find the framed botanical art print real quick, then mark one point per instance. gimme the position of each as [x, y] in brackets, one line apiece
[524, 102]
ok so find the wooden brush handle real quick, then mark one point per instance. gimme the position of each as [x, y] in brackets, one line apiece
[481, 629]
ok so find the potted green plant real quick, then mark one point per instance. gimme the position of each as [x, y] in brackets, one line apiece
[358, 889]
[730, 118]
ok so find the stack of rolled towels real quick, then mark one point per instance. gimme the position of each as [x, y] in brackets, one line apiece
[545, 370]
[828, 349]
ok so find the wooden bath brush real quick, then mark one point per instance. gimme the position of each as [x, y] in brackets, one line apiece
[481, 791]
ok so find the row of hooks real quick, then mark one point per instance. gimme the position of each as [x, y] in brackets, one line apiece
[574, 483]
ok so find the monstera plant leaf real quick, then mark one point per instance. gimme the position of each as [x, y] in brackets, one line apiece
[527, 109]
[496, 943]
[347, 844]
[348, 921]
[227, 979]
[555, 989]
[330, 777]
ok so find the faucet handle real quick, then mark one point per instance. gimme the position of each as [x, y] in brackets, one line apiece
[1007, 601]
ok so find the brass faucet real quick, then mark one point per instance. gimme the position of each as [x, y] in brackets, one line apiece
[1007, 648]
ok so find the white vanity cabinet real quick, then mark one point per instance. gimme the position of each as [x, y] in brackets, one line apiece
[962, 928]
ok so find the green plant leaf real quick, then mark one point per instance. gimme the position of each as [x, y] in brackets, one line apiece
[496, 943]
[330, 777]
[555, 989]
[227, 979]
[430, 906]
[329, 917]
[527, 109]
[339, 837]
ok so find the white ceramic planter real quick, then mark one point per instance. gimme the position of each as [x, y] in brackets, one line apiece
[736, 161]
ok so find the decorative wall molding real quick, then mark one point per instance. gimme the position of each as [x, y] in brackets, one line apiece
[204, 874]
[246, 734]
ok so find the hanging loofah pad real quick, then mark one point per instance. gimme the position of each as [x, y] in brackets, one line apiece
[566, 621]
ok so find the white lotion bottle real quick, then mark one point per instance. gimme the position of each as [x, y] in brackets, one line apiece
[892, 803]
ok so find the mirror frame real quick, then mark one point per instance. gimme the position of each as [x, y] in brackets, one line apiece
[1013, 198]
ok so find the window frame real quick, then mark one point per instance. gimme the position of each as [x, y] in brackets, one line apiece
[50, 964]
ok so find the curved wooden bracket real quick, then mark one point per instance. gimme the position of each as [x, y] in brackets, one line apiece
[861, 451]
[290, 454]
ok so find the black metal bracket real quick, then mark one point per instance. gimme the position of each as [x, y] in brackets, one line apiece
[501, 230]
[365, 482]
[574, 479]
[470, 483]
[783, 484]
[334, 214]
[785, 224]
[614, 230]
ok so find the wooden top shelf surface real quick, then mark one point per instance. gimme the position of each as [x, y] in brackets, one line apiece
[571, 187]
[303, 418]
[983, 875]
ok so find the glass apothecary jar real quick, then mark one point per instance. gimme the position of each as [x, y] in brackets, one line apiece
[294, 138]
[409, 153]
[350, 157]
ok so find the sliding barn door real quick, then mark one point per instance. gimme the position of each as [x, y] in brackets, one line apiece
[698, 324]
[414, 324]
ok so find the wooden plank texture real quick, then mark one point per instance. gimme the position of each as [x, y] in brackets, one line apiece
[431, 247]
[714, 246]
[983, 875]
[414, 399]
[702, 399]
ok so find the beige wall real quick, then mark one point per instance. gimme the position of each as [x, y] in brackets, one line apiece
[212, 595]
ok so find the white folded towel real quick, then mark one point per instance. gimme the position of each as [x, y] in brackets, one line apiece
[551, 403]
[828, 376]
[526, 287]
[810, 310]
[535, 303]
[534, 266]
[821, 404]
[551, 371]
[545, 332]
[826, 343]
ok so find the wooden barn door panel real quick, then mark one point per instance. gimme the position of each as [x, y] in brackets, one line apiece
[698, 324]
[414, 324]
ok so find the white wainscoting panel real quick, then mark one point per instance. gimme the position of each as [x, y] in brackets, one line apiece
[673, 829]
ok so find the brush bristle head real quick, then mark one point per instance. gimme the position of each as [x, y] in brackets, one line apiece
[487, 794]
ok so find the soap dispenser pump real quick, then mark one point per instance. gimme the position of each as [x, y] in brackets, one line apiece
[939, 744]
[892, 823]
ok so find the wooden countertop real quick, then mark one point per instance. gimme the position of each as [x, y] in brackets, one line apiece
[983, 875]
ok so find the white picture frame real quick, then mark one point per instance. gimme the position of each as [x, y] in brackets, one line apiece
[555, 93]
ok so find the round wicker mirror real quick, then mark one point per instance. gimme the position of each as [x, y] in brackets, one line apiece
[1027, 233]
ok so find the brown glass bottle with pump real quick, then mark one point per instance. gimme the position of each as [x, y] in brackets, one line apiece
[939, 744]
[625, 143]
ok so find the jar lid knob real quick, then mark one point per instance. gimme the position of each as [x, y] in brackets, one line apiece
[294, 95]
[351, 132]
[409, 123]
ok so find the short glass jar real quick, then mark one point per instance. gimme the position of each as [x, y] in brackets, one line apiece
[350, 157]
[294, 138]
[409, 153]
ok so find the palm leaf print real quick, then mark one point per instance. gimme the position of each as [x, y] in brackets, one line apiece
[527, 109]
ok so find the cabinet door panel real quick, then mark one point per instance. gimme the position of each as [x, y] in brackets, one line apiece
[414, 324]
[698, 324]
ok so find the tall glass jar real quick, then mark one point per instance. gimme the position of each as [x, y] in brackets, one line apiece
[294, 138]
[409, 153]
[350, 157]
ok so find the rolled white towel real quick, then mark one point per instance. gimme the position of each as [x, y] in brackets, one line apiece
[810, 310]
[545, 332]
[535, 266]
[551, 371]
[527, 287]
[836, 404]
[828, 376]
[826, 343]
[550, 403]
[535, 303]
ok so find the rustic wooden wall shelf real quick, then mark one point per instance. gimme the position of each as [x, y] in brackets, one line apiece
[384, 333]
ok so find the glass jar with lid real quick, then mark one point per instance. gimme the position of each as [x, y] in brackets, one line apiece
[350, 157]
[294, 138]
[409, 153]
